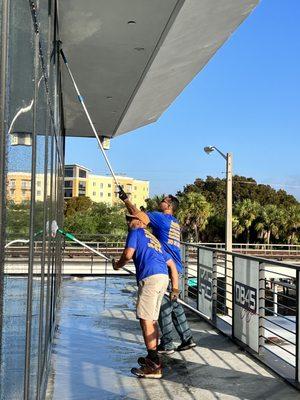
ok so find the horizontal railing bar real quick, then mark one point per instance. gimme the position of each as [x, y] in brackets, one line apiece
[277, 334]
[280, 294]
[266, 348]
[281, 316]
[274, 302]
[279, 326]
[279, 273]
[276, 344]
[260, 260]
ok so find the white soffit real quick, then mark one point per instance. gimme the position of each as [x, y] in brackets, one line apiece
[129, 73]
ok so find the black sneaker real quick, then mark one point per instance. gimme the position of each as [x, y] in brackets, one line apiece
[186, 345]
[163, 350]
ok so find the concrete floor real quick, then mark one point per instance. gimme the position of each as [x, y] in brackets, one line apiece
[99, 339]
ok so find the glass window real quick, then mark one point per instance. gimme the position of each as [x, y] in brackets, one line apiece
[38, 193]
[94, 183]
[25, 184]
[69, 171]
[109, 185]
[68, 184]
[82, 173]
[12, 183]
[38, 183]
[101, 185]
[101, 194]
[68, 193]
[81, 188]
[109, 194]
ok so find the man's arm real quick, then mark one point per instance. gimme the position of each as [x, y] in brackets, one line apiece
[132, 209]
[173, 274]
[124, 259]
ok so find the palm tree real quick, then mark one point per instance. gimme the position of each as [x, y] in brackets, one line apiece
[270, 221]
[193, 214]
[291, 223]
[245, 212]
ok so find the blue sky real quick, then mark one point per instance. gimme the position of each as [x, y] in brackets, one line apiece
[245, 101]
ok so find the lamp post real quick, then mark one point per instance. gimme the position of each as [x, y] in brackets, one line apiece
[228, 158]
[228, 234]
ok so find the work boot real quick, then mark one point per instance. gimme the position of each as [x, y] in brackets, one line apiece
[186, 345]
[162, 350]
[148, 370]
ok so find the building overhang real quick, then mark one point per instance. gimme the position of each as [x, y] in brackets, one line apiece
[132, 58]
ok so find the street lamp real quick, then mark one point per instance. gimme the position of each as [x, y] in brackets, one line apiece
[228, 158]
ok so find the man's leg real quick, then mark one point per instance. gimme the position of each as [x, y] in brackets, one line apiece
[150, 333]
[180, 323]
[166, 324]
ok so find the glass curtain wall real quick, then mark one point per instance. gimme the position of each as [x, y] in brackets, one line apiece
[31, 162]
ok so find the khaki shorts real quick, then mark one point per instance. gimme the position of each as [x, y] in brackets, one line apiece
[150, 294]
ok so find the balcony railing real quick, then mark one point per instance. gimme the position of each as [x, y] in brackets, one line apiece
[254, 301]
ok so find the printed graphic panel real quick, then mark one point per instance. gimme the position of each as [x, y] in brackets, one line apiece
[205, 269]
[246, 300]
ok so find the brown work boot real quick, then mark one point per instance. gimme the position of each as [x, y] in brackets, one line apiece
[148, 370]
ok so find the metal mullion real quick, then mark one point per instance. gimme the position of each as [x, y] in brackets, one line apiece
[3, 144]
[43, 257]
[31, 229]
[47, 328]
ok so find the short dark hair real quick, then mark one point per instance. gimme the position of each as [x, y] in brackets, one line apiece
[174, 202]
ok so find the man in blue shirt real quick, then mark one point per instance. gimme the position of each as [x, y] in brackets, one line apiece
[151, 263]
[167, 230]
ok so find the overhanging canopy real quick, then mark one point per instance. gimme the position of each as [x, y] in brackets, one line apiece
[132, 58]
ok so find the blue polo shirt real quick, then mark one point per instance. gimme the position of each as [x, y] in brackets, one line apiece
[149, 257]
[167, 230]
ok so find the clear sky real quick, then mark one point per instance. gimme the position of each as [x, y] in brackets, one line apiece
[245, 101]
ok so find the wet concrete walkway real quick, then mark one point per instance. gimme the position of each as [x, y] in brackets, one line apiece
[99, 340]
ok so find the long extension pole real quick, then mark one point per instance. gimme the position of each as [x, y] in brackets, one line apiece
[80, 98]
[74, 239]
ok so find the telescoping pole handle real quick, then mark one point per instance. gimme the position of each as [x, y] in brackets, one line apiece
[81, 100]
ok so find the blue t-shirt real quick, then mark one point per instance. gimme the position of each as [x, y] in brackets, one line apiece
[149, 257]
[167, 230]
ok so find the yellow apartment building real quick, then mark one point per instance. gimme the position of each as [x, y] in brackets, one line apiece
[79, 182]
[19, 187]
[101, 188]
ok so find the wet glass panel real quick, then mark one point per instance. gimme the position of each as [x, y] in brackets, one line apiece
[19, 107]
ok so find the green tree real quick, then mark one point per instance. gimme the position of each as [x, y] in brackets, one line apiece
[193, 214]
[270, 220]
[245, 213]
[77, 204]
[291, 224]
[152, 204]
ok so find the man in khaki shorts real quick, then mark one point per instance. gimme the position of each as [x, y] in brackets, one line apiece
[152, 264]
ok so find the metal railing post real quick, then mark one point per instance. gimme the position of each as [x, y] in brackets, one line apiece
[185, 258]
[261, 306]
[214, 287]
[297, 371]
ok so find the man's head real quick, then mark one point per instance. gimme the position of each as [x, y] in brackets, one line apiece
[138, 220]
[169, 204]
